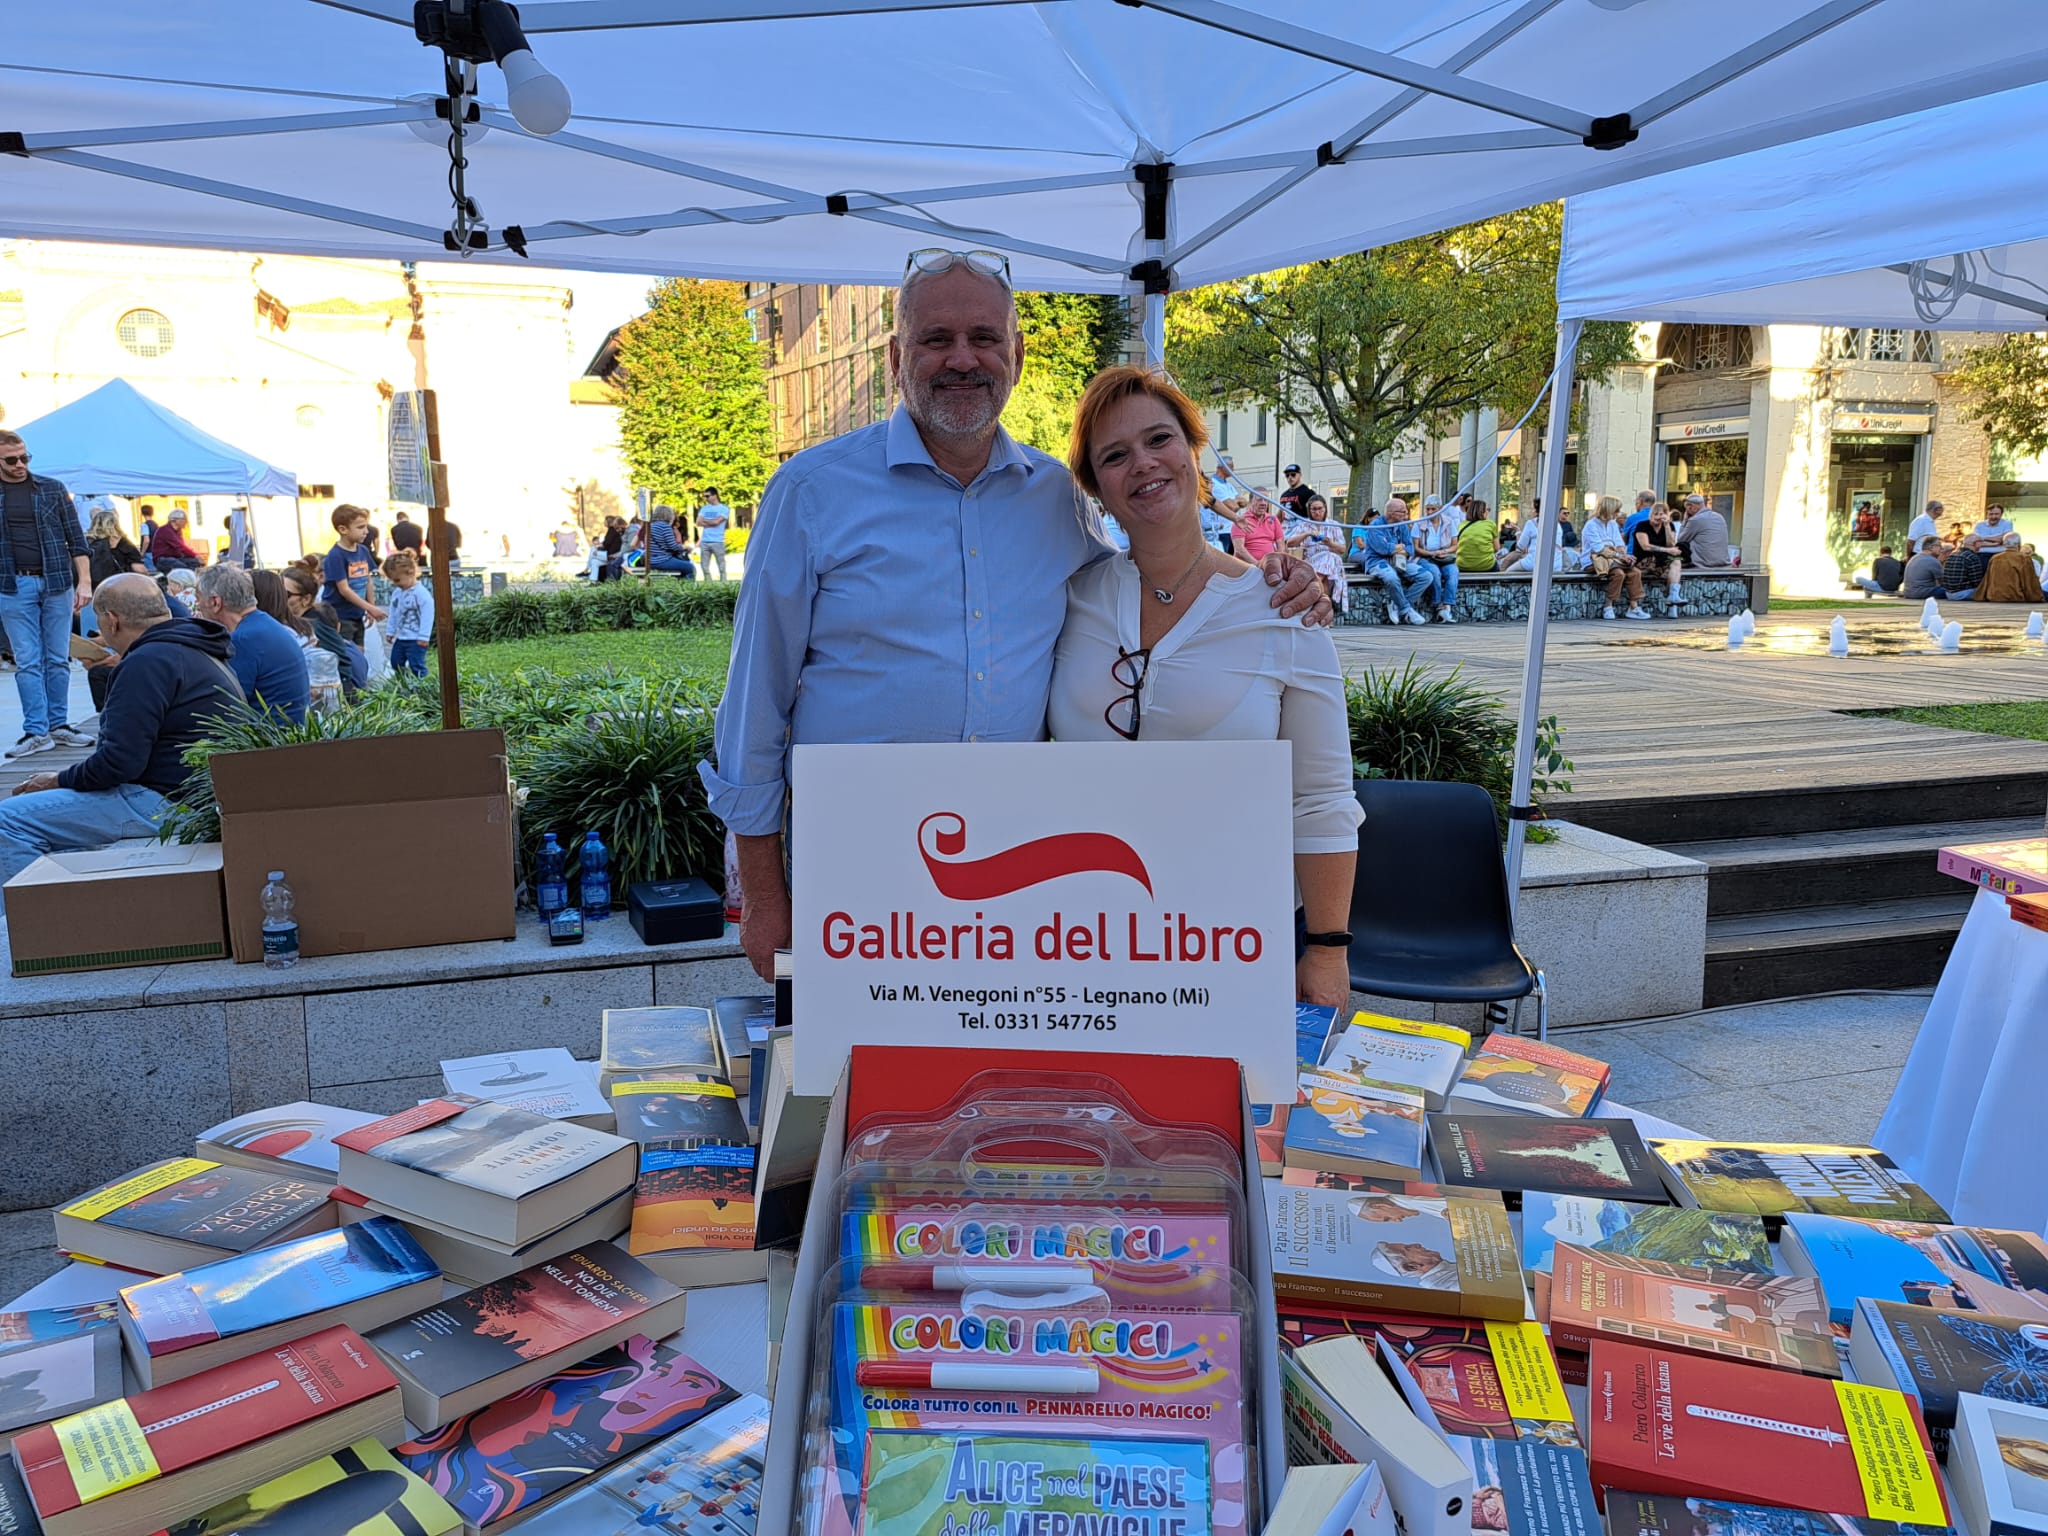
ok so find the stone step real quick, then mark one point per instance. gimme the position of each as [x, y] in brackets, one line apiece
[1820, 869]
[1779, 812]
[1886, 944]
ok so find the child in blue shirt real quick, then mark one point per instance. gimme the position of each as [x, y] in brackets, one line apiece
[410, 620]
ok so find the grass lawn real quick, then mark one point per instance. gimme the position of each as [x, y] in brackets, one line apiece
[702, 653]
[1848, 602]
[2027, 719]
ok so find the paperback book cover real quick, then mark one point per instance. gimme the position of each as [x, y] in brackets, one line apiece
[1344, 1124]
[17, 1509]
[38, 1323]
[297, 1136]
[1269, 1137]
[196, 1201]
[1529, 1487]
[1705, 1239]
[552, 1306]
[491, 1147]
[131, 1440]
[1560, 1157]
[1313, 1026]
[1778, 1320]
[1418, 1063]
[274, 1285]
[703, 1480]
[695, 1187]
[742, 1023]
[1495, 1379]
[1531, 1077]
[689, 1109]
[658, 1039]
[1669, 1514]
[547, 1081]
[1769, 1179]
[1309, 1178]
[45, 1381]
[1962, 1269]
[1661, 1421]
[530, 1446]
[1937, 1356]
[1443, 1255]
[1999, 1467]
[362, 1491]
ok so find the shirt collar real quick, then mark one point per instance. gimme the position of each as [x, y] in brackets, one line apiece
[906, 446]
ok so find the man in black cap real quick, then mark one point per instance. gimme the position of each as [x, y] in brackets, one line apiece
[1297, 495]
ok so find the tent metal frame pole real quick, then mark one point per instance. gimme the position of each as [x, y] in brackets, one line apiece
[226, 128]
[1560, 425]
[1821, 19]
[612, 15]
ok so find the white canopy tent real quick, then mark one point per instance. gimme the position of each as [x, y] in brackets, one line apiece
[1932, 221]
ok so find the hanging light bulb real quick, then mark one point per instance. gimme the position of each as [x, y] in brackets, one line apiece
[538, 99]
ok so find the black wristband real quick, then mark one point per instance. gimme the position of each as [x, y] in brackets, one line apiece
[1339, 940]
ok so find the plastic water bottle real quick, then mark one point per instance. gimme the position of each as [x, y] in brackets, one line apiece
[596, 879]
[280, 928]
[550, 879]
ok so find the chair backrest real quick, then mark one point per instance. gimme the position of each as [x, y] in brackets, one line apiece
[1430, 877]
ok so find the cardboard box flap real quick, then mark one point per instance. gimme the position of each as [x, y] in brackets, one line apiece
[381, 770]
[118, 862]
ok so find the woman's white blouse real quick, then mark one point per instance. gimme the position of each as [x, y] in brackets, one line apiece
[1231, 670]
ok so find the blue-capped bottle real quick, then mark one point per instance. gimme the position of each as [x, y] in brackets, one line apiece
[550, 878]
[596, 879]
[280, 927]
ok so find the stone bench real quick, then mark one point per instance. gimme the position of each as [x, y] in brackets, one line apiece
[1502, 597]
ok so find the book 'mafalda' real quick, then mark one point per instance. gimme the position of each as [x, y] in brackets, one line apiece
[1529, 1077]
[1704, 1239]
[1667, 1514]
[362, 1490]
[1778, 1320]
[296, 1140]
[1662, 1421]
[1495, 1379]
[185, 1211]
[363, 1274]
[143, 1462]
[1512, 1153]
[480, 1346]
[1444, 1255]
[1770, 1178]
[1936, 1356]
[1345, 1124]
[1966, 1269]
[500, 1173]
[45, 1381]
[702, 1480]
[524, 1449]
[1999, 1467]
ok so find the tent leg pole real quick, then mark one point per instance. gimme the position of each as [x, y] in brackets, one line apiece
[1539, 600]
[1155, 329]
[444, 582]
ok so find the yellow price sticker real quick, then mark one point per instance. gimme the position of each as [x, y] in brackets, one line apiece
[700, 1090]
[105, 1450]
[1528, 1373]
[106, 1201]
[1462, 1039]
[1891, 1461]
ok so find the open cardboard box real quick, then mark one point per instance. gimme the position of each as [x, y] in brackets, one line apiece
[339, 817]
[939, 1072]
[98, 909]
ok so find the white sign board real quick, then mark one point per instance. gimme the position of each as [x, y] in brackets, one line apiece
[1129, 898]
[412, 472]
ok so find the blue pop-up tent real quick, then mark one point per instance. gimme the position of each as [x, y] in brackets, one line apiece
[117, 441]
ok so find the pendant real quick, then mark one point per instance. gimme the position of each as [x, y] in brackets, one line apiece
[1163, 595]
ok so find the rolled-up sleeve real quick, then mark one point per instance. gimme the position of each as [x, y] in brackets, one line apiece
[1313, 719]
[771, 636]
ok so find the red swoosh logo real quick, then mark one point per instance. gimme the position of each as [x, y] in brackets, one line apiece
[1027, 864]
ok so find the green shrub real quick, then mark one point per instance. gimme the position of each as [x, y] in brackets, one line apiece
[736, 540]
[1417, 723]
[664, 603]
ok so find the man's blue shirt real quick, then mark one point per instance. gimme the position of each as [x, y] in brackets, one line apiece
[886, 602]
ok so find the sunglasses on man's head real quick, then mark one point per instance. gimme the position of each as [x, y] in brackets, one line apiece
[935, 259]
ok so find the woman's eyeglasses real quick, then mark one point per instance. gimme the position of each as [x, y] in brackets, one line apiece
[935, 259]
[1129, 672]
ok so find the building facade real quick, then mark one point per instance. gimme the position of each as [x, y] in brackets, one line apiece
[827, 357]
[296, 359]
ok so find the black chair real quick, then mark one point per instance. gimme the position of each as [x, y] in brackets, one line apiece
[1445, 934]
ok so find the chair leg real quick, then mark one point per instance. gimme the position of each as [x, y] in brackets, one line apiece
[1542, 1010]
[1516, 1026]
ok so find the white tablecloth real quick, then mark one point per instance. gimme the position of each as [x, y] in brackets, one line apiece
[1969, 1118]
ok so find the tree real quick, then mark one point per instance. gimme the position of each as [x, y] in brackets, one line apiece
[590, 504]
[1361, 349]
[2006, 383]
[693, 394]
[1068, 339]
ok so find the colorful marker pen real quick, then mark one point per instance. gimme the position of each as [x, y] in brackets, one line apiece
[970, 1277]
[963, 1376]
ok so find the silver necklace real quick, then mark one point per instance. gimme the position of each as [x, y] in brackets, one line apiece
[1167, 594]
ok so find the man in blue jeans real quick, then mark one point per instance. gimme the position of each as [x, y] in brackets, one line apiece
[172, 683]
[45, 578]
[1388, 548]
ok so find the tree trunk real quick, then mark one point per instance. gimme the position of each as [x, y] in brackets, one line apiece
[1358, 492]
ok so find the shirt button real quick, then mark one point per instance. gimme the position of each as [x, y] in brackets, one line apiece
[977, 613]
[973, 551]
[974, 738]
[977, 677]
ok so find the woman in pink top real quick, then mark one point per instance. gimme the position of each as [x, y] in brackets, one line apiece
[1258, 532]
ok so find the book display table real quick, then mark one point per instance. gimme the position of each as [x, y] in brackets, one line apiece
[1965, 1119]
